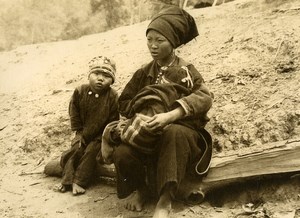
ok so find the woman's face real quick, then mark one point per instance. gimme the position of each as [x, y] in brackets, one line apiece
[160, 48]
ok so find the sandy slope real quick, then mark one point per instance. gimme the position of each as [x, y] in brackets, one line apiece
[248, 53]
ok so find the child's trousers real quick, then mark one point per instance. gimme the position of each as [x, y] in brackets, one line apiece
[79, 163]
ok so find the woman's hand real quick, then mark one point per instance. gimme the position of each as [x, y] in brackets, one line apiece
[159, 121]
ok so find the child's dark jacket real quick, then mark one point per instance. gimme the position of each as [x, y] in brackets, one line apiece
[90, 113]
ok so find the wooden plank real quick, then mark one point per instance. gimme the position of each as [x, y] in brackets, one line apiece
[273, 159]
[279, 157]
[283, 157]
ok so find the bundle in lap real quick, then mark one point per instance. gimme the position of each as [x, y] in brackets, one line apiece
[137, 133]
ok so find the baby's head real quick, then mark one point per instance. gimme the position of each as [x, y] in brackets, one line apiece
[101, 74]
[177, 74]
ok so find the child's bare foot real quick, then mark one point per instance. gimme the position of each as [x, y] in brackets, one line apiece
[135, 201]
[163, 206]
[77, 189]
[61, 188]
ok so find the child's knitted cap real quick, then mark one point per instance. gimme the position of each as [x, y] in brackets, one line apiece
[103, 64]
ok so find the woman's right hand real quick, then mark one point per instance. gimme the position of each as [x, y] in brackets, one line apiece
[159, 121]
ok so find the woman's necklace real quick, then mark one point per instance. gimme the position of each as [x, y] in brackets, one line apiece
[162, 69]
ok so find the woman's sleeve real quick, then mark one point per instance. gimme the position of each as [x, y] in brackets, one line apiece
[200, 100]
[130, 91]
[74, 112]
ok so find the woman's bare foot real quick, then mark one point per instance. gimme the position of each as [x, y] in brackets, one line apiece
[163, 206]
[62, 188]
[77, 189]
[135, 201]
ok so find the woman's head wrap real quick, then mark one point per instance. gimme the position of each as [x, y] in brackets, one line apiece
[175, 24]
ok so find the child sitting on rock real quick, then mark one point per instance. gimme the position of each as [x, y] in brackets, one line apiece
[91, 108]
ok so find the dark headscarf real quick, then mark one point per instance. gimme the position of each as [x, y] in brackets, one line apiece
[175, 24]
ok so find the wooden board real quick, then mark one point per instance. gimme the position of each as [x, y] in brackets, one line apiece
[273, 159]
[276, 158]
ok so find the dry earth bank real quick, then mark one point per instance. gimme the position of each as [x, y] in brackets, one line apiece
[248, 53]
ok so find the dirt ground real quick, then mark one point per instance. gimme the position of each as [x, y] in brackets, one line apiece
[248, 52]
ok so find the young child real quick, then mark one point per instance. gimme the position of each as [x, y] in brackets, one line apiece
[91, 108]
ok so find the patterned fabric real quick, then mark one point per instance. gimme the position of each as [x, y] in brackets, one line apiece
[177, 74]
[137, 134]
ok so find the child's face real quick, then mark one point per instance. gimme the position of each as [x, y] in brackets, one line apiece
[99, 80]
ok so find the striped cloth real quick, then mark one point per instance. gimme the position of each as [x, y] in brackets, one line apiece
[137, 134]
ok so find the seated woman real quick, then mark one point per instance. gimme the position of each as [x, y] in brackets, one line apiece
[179, 150]
[175, 83]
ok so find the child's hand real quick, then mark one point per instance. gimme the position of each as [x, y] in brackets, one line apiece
[107, 152]
[107, 144]
[78, 139]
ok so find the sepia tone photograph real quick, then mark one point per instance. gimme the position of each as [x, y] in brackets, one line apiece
[150, 108]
